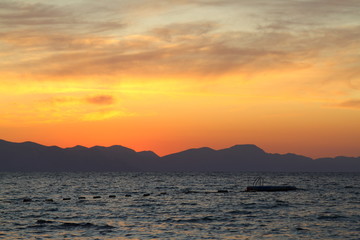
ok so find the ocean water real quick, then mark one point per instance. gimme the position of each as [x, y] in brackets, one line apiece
[178, 206]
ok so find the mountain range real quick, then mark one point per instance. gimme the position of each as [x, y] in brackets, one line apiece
[30, 156]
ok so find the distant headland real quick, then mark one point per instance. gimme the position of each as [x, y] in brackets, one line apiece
[31, 157]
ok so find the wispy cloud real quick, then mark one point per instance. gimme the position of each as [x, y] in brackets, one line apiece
[53, 40]
[173, 50]
[101, 99]
[20, 14]
[104, 115]
[353, 103]
[51, 18]
[65, 107]
[183, 31]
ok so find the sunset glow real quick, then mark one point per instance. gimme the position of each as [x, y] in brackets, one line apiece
[171, 75]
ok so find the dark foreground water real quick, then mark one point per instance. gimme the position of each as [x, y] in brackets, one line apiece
[180, 206]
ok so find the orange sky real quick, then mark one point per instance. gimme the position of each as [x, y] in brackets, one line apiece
[172, 75]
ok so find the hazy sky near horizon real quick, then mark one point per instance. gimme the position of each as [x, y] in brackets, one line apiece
[176, 74]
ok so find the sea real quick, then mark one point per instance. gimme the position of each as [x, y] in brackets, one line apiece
[178, 206]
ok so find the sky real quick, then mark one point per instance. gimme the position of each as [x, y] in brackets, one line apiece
[177, 74]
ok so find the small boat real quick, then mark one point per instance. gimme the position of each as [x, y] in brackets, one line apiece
[259, 187]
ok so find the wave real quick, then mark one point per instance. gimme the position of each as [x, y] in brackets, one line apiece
[69, 225]
[331, 217]
[240, 212]
[204, 219]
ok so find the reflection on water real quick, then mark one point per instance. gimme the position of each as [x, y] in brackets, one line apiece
[177, 206]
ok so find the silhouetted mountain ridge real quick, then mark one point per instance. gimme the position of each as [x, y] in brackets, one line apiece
[30, 156]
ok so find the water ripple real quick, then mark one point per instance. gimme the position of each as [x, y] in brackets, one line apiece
[177, 206]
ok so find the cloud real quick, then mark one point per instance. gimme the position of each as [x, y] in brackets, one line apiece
[353, 103]
[64, 107]
[79, 100]
[17, 14]
[52, 18]
[104, 115]
[201, 51]
[91, 41]
[111, 14]
[101, 99]
[182, 31]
